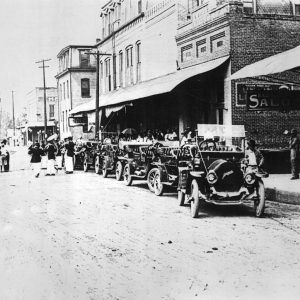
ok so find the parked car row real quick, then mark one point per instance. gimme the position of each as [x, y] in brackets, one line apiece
[200, 172]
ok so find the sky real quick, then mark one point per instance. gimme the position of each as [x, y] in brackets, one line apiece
[31, 30]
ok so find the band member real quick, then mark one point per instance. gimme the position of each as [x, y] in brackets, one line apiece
[5, 157]
[69, 154]
[294, 145]
[50, 150]
[36, 153]
[255, 157]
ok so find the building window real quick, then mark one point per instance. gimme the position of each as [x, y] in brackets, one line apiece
[186, 53]
[139, 6]
[68, 89]
[121, 63]
[200, 47]
[215, 39]
[129, 66]
[138, 61]
[114, 71]
[51, 111]
[107, 75]
[64, 90]
[84, 59]
[219, 43]
[85, 87]
[297, 9]
[63, 120]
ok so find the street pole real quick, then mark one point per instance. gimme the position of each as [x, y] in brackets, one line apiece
[13, 115]
[97, 98]
[45, 101]
[97, 125]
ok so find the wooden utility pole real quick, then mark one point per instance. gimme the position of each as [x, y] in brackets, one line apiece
[97, 54]
[45, 101]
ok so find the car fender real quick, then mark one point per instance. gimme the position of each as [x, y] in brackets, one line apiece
[197, 174]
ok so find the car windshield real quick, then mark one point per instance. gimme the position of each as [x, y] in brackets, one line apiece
[214, 137]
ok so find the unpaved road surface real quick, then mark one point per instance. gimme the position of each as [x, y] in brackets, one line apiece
[81, 236]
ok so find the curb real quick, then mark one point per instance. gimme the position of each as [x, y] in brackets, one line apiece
[272, 194]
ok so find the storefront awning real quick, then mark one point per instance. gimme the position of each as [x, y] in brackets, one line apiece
[156, 86]
[278, 63]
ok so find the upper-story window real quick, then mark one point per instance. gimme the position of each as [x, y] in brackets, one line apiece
[297, 9]
[129, 65]
[121, 68]
[68, 89]
[107, 75]
[84, 59]
[138, 61]
[139, 6]
[85, 87]
[186, 53]
[51, 111]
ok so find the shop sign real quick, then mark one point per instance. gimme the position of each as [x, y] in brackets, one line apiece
[263, 96]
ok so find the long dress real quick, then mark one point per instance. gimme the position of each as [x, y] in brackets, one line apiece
[69, 157]
[50, 150]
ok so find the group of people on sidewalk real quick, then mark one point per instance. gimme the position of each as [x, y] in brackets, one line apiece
[55, 153]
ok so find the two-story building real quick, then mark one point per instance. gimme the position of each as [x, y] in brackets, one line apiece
[34, 128]
[76, 83]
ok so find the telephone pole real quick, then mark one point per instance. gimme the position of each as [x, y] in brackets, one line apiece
[13, 114]
[45, 102]
[97, 54]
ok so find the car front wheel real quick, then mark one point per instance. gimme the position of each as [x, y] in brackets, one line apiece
[85, 165]
[119, 171]
[195, 201]
[151, 179]
[127, 177]
[259, 205]
[158, 185]
[97, 166]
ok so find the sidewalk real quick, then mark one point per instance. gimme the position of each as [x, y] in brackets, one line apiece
[280, 188]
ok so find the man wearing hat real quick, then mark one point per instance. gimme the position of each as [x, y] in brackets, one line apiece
[36, 153]
[69, 154]
[51, 150]
[255, 157]
[294, 149]
[4, 155]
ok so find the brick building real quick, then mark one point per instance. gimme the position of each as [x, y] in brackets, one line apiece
[34, 128]
[76, 82]
[247, 31]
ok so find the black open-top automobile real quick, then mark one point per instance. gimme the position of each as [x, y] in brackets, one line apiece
[214, 170]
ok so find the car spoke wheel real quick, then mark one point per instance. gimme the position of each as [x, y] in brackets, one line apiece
[119, 171]
[151, 179]
[97, 166]
[158, 185]
[181, 198]
[85, 165]
[104, 170]
[126, 176]
[259, 205]
[195, 201]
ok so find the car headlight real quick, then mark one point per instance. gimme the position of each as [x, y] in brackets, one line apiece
[212, 177]
[249, 178]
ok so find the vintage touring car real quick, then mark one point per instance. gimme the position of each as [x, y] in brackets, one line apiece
[215, 170]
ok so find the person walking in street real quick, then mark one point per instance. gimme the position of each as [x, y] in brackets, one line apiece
[294, 146]
[5, 157]
[36, 153]
[69, 154]
[50, 150]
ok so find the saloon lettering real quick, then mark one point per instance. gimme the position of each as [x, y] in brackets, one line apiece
[257, 101]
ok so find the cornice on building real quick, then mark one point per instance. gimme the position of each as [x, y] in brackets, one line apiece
[62, 51]
[74, 70]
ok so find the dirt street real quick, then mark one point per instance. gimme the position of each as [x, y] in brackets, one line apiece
[84, 237]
